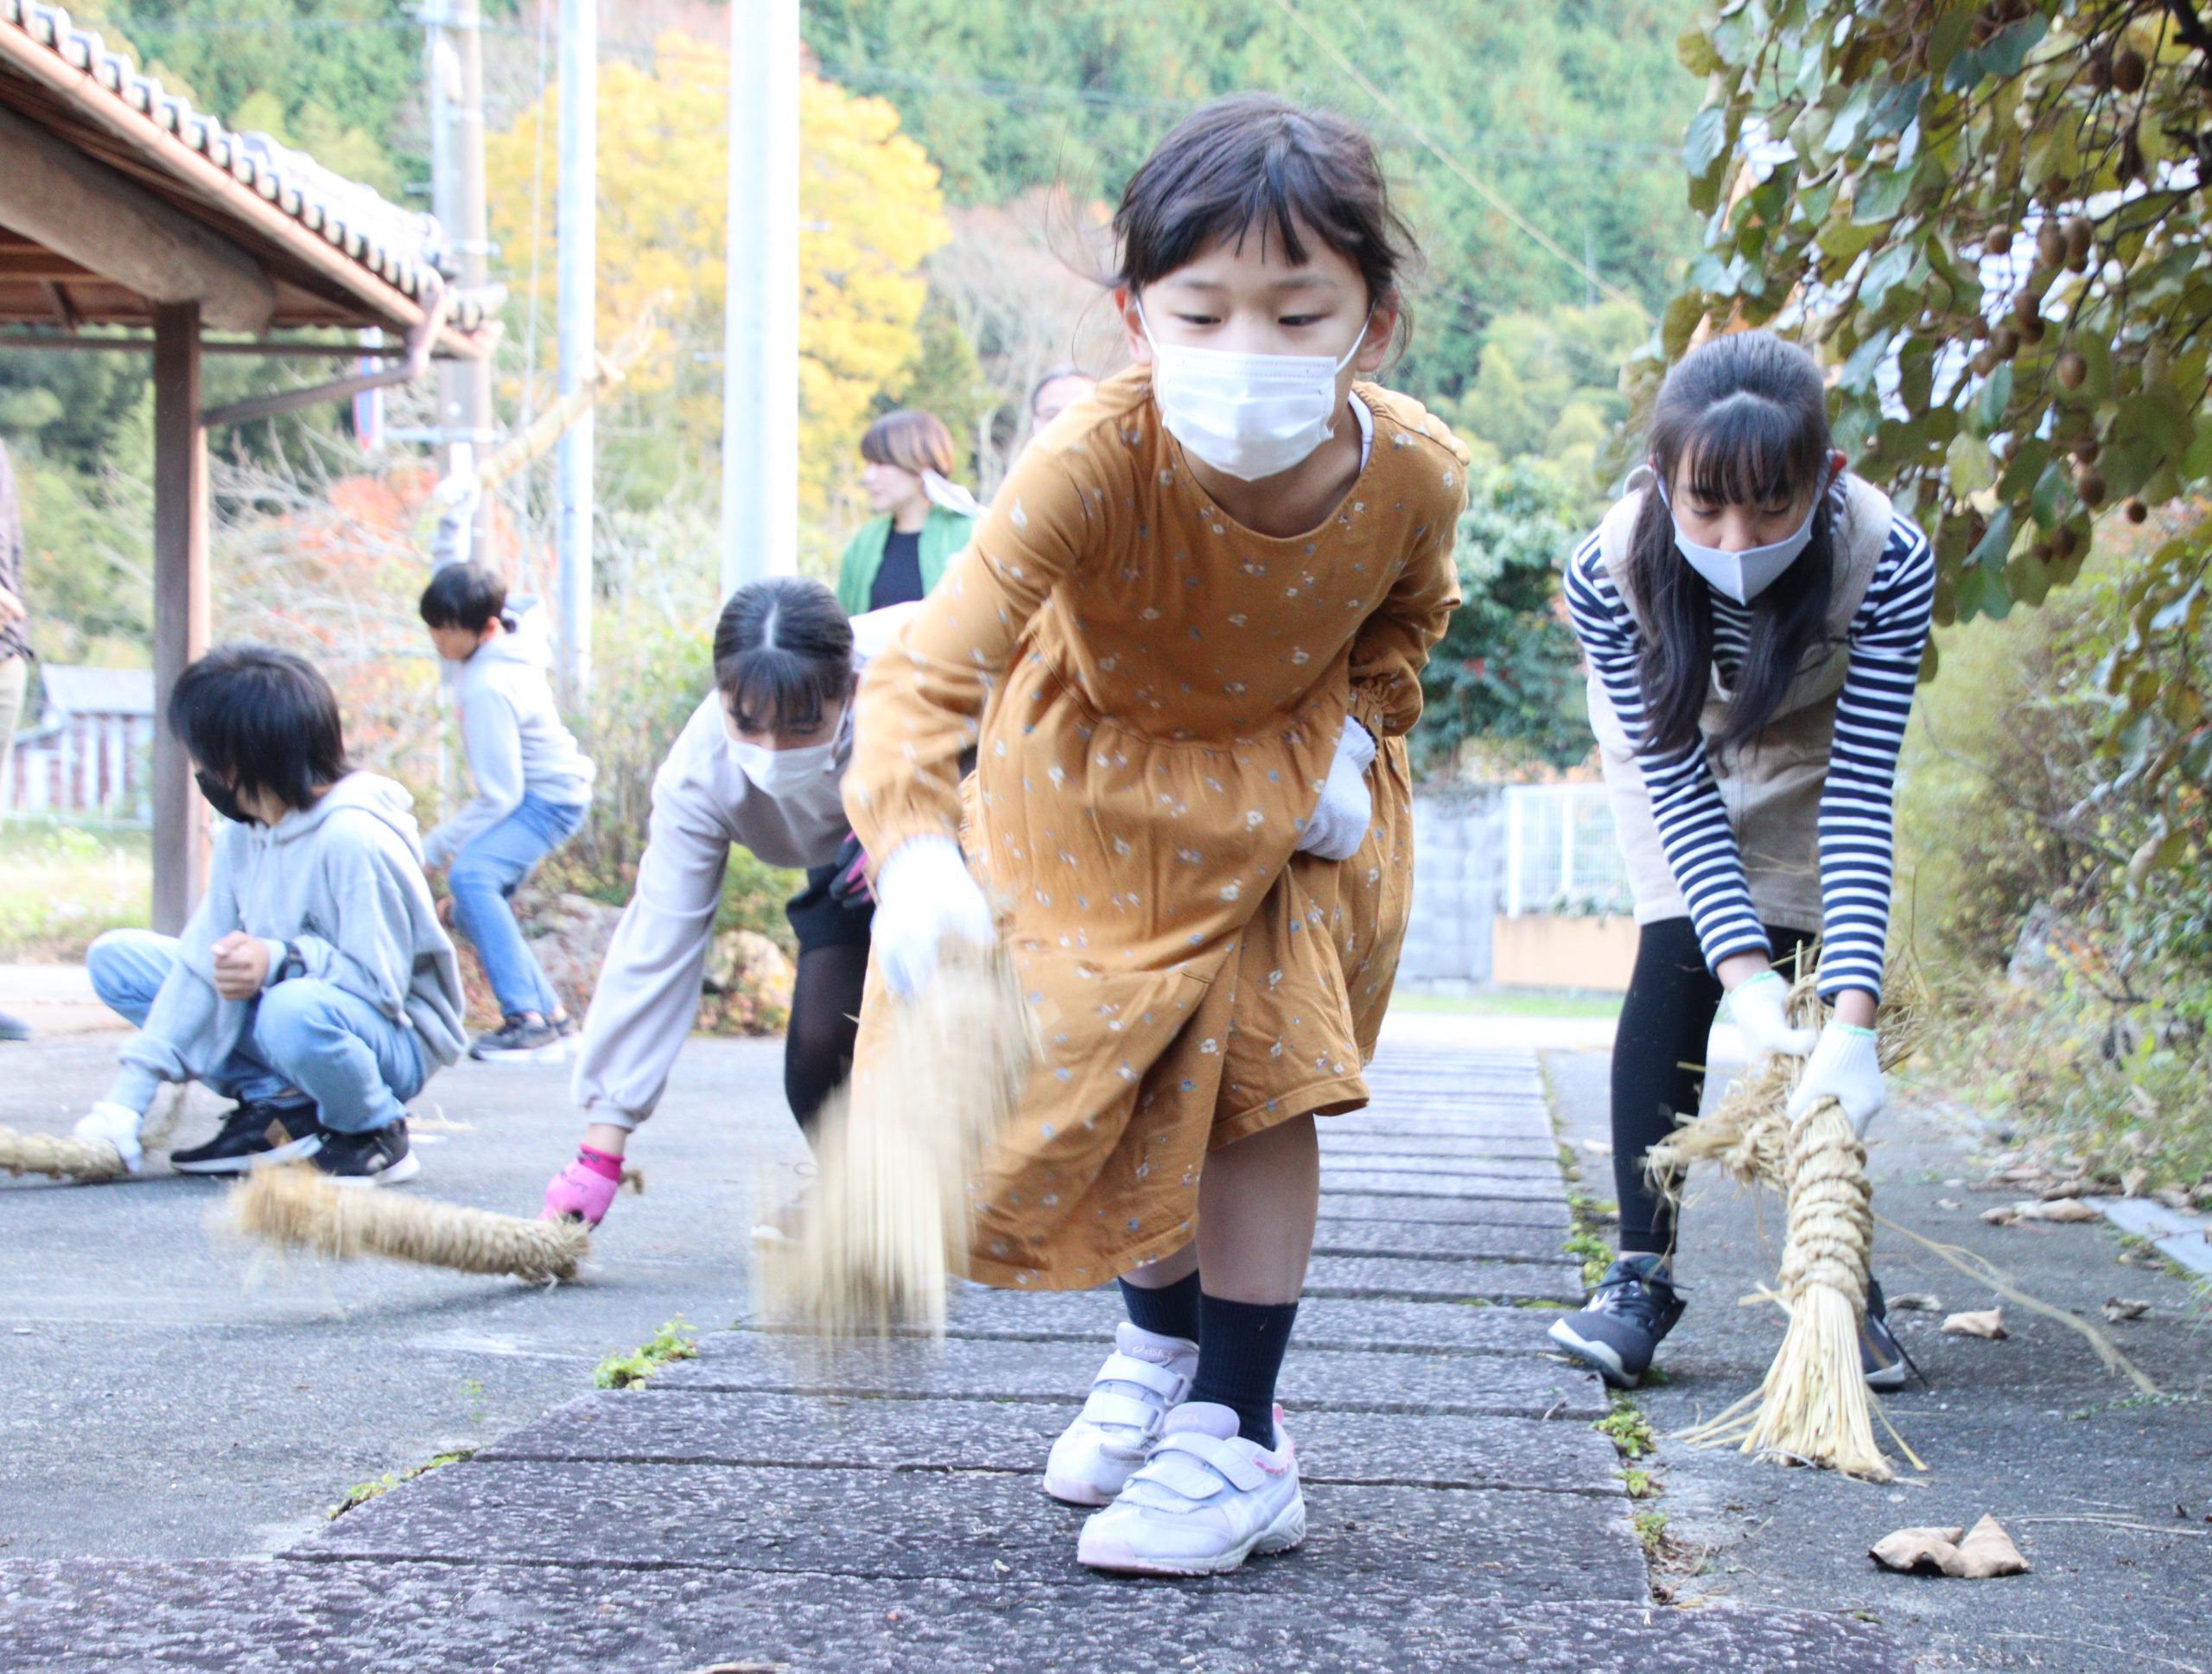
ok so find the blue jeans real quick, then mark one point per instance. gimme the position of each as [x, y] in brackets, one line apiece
[488, 871]
[307, 1040]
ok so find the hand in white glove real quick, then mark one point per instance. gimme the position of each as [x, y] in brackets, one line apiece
[111, 1124]
[1339, 823]
[1760, 1008]
[923, 893]
[1847, 1067]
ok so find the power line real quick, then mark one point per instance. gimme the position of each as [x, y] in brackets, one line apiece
[1542, 239]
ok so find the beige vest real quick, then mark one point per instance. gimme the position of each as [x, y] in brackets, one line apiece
[1771, 788]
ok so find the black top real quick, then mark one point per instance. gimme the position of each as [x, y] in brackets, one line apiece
[899, 577]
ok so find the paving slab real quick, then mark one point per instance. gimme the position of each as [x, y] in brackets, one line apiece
[64, 1618]
[1442, 1136]
[1431, 1239]
[968, 1369]
[1350, 1203]
[1443, 1280]
[687, 1426]
[1387, 1155]
[1344, 1176]
[913, 1525]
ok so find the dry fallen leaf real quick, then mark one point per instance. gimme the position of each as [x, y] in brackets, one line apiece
[2174, 1197]
[1988, 1323]
[2133, 1182]
[1948, 1203]
[2117, 1309]
[2003, 1215]
[1921, 1550]
[1988, 1550]
[2060, 1209]
[1915, 1302]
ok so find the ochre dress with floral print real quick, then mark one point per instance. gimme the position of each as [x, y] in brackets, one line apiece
[1160, 693]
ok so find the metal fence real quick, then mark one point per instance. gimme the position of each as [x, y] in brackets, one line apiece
[1561, 858]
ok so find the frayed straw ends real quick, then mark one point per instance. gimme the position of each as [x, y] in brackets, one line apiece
[63, 1158]
[885, 1227]
[297, 1208]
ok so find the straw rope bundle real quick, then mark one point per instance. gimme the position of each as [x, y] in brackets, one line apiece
[886, 1225]
[63, 1158]
[1813, 1406]
[297, 1208]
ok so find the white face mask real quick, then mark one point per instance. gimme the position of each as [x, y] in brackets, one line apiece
[781, 773]
[1248, 415]
[1743, 576]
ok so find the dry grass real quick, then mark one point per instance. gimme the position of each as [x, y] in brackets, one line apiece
[297, 1208]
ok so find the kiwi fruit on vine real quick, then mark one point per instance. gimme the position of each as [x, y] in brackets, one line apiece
[2089, 487]
[2072, 368]
[2051, 244]
[2137, 511]
[2129, 70]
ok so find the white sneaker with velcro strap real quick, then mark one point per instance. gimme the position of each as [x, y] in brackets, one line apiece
[1143, 1378]
[1207, 1499]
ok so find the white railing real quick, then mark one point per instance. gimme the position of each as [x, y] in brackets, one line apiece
[1561, 858]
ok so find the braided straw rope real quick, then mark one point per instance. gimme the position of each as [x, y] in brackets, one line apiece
[886, 1224]
[1814, 1407]
[63, 1158]
[298, 1208]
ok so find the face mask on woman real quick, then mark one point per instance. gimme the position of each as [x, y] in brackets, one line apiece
[782, 773]
[1248, 415]
[1743, 576]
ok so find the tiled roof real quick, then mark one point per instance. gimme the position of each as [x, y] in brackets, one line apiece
[72, 689]
[409, 251]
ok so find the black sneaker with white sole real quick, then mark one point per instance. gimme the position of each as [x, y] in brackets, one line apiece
[378, 1157]
[1627, 1317]
[518, 1037]
[1881, 1356]
[254, 1133]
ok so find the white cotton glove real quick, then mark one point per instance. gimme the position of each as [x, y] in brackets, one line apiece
[1847, 1067]
[924, 892]
[107, 1123]
[1339, 824]
[1760, 1008]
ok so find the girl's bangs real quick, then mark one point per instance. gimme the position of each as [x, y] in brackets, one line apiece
[1746, 450]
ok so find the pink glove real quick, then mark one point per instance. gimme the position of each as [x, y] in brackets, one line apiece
[584, 1190]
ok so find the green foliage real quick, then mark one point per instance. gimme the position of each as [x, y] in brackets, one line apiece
[1505, 672]
[1652, 1534]
[1989, 219]
[674, 1341]
[361, 1492]
[1569, 111]
[61, 885]
[1629, 1430]
[1548, 387]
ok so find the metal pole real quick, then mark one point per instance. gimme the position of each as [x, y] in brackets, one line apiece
[577, 237]
[762, 309]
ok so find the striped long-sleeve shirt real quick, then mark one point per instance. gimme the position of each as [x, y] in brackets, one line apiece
[1886, 639]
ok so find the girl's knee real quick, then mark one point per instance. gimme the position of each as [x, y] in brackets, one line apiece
[120, 968]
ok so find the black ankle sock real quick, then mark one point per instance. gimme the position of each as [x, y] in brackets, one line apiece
[1172, 1310]
[1240, 1355]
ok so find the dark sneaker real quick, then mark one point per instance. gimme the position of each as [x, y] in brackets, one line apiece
[568, 1025]
[1627, 1317]
[13, 1028]
[378, 1157]
[1881, 1356]
[518, 1037]
[251, 1134]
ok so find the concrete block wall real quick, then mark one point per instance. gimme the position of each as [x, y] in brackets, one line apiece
[1458, 855]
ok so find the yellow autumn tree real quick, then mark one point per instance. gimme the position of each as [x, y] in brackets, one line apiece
[870, 209]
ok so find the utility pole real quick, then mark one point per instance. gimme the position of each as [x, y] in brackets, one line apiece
[455, 50]
[761, 307]
[576, 234]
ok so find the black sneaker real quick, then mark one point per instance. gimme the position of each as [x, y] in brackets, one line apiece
[518, 1037]
[1627, 1317]
[254, 1133]
[378, 1157]
[568, 1025]
[1881, 1356]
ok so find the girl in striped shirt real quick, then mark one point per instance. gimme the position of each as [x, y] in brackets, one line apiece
[1754, 619]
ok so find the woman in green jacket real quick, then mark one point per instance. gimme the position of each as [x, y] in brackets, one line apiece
[923, 518]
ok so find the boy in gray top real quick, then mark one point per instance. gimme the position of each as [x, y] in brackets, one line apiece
[533, 789]
[313, 983]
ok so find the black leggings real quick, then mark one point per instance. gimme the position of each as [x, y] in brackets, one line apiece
[1658, 1056]
[825, 1018]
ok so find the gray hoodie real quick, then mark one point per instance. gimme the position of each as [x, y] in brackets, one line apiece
[342, 881]
[517, 744]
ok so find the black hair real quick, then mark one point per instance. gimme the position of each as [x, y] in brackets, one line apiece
[261, 719]
[783, 654]
[466, 596]
[1052, 375]
[1747, 412]
[911, 439]
[1252, 161]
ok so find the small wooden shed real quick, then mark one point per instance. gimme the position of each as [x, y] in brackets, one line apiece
[121, 206]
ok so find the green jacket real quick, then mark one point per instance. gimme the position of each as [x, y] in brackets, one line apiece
[942, 534]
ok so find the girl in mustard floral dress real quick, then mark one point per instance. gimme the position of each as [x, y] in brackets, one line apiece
[1186, 644]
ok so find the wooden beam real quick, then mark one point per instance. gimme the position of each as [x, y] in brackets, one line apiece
[88, 213]
[180, 607]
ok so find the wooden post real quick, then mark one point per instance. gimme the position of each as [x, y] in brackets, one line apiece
[180, 606]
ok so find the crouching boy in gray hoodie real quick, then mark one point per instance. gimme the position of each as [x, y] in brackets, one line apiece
[312, 985]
